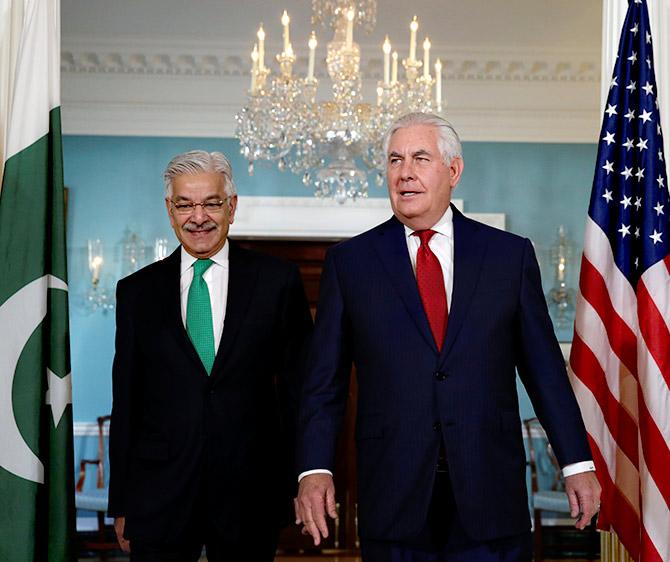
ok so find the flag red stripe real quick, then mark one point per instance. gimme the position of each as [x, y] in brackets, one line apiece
[655, 450]
[620, 423]
[648, 552]
[654, 330]
[621, 337]
[616, 508]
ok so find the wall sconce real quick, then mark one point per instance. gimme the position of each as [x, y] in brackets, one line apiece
[130, 254]
[161, 249]
[97, 297]
[133, 252]
[561, 298]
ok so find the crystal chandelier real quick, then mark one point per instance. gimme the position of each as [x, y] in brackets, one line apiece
[332, 144]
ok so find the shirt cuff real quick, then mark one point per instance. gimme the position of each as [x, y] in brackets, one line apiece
[315, 471]
[577, 468]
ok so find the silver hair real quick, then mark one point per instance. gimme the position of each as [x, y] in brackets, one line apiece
[447, 138]
[198, 161]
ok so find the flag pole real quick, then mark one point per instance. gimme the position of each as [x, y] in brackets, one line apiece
[611, 549]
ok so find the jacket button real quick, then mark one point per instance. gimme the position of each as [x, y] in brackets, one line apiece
[441, 375]
[436, 426]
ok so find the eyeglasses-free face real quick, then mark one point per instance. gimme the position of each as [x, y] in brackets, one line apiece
[200, 212]
[419, 181]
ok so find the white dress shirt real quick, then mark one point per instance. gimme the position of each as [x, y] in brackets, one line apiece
[216, 278]
[442, 245]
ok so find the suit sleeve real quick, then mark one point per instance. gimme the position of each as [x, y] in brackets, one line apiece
[326, 385]
[123, 371]
[542, 369]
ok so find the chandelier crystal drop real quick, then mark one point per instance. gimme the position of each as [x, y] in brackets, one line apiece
[332, 144]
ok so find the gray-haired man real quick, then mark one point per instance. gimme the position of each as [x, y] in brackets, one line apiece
[208, 352]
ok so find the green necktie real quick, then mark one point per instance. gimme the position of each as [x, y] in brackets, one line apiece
[199, 315]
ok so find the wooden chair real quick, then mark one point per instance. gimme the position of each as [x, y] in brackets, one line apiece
[96, 499]
[584, 544]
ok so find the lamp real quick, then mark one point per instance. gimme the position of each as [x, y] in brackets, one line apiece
[131, 254]
[332, 144]
[561, 298]
[161, 249]
[96, 296]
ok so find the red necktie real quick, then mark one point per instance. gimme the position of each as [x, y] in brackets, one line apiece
[430, 280]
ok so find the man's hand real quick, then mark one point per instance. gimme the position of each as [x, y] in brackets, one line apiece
[119, 525]
[316, 497]
[583, 492]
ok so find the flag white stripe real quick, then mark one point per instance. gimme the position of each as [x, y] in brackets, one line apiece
[654, 390]
[590, 328]
[36, 92]
[11, 23]
[600, 433]
[657, 281]
[653, 386]
[598, 251]
[655, 512]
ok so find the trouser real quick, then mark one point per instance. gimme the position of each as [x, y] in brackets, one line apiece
[443, 538]
[248, 549]
[257, 541]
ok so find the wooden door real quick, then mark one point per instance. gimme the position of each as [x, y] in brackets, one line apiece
[309, 256]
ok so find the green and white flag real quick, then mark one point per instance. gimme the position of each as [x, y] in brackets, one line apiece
[36, 455]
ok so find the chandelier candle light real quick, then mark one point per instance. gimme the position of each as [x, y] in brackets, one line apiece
[333, 143]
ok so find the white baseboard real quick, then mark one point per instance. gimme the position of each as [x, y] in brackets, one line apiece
[90, 429]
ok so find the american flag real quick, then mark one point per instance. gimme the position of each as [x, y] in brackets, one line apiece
[620, 358]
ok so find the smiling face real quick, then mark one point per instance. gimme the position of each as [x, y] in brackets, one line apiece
[202, 233]
[419, 181]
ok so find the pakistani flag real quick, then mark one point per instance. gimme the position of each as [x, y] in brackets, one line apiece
[36, 472]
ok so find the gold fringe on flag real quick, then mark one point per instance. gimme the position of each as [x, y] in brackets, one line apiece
[611, 549]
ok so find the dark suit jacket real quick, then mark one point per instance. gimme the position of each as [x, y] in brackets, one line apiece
[179, 435]
[410, 396]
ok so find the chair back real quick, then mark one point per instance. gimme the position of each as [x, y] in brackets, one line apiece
[537, 455]
[99, 461]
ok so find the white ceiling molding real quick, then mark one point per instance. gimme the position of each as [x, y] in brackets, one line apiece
[194, 89]
[195, 60]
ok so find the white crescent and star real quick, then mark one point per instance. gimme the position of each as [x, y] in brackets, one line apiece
[20, 316]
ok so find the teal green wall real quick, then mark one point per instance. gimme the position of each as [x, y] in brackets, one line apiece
[115, 182]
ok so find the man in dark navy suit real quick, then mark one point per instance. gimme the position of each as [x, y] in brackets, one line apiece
[209, 346]
[437, 312]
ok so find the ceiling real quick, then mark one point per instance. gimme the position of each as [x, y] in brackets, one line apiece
[514, 24]
[517, 70]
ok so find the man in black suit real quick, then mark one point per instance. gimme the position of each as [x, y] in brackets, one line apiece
[437, 312]
[209, 344]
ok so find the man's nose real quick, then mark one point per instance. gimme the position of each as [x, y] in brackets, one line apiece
[407, 170]
[199, 216]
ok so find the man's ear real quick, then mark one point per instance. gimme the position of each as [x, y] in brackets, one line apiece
[233, 207]
[168, 207]
[455, 171]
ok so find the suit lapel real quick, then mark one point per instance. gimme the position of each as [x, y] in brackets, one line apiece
[469, 249]
[391, 247]
[172, 299]
[242, 278]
